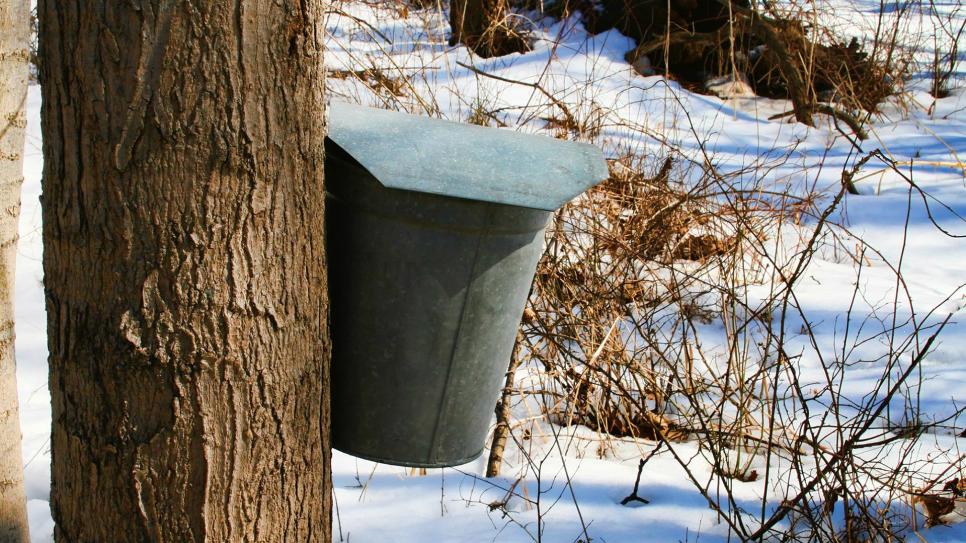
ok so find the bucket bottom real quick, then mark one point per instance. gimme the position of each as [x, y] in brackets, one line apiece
[414, 463]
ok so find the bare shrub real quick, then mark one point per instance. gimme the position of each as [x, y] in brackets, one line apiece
[597, 280]
[780, 52]
[636, 337]
[948, 30]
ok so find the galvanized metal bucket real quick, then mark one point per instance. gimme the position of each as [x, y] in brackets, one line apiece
[428, 279]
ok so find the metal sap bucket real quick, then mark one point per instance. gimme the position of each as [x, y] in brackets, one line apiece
[434, 232]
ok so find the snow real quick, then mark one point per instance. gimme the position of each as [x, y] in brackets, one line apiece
[571, 488]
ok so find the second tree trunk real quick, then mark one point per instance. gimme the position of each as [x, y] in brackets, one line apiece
[14, 39]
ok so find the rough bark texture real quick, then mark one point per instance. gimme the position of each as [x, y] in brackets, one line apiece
[185, 270]
[14, 37]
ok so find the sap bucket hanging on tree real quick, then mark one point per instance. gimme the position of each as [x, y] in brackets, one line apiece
[434, 232]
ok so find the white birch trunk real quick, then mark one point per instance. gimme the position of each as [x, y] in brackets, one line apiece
[14, 55]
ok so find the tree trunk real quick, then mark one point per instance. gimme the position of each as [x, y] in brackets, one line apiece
[185, 270]
[14, 38]
[482, 26]
[469, 20]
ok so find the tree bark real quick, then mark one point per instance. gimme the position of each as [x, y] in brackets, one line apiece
[14, 39]
[184, 266]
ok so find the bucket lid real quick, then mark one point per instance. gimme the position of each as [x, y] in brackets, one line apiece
[421, 154]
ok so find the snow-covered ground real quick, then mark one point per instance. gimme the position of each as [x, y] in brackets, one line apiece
[576, 494]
